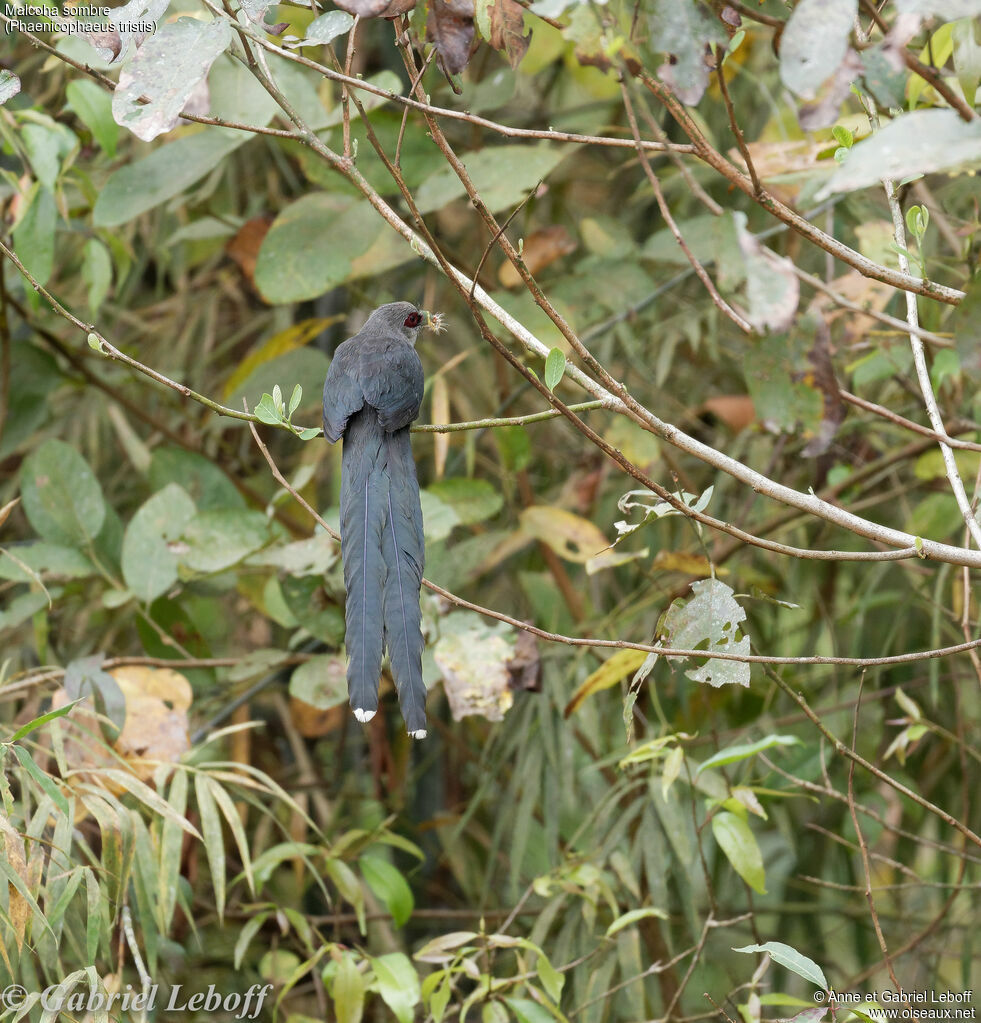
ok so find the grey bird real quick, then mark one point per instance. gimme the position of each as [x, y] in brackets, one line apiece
[372, 393]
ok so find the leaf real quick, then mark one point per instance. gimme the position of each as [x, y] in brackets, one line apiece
[731, 754]
[38, 722]
[634, 915]
[96, 273]
[329, 27]
[610, 673]
[946, 10]
[814, 43]
[34, 235]
[166, 172]
[550, 977]
[218, 539]
[47, 783]
[93, 107]
[149, 560]
[772, 287]
[541, 248]
[295, 336]
[207, 485]
[474, 657]
[528, 1011]
[554, 368]
[443, 948]
[710, 621]
[62, 498]
[569, 535]
[506, 29]
[43, 558]
[9, 85]
[685, 30]
[503, 175]
[321, 682]
[397, 983]
[214, 844]
[450, 26]
[312, 245]
[349, 991]
[389, 885]
[157, 83]
[919, 142]
[790, 959]
[472, 500]
[737, 841]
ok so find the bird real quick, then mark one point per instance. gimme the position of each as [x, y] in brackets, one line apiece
[372, 392]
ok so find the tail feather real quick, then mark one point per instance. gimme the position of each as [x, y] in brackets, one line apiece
[403, 548]
[364, 511]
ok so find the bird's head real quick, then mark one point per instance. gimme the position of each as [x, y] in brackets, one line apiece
[404, 320]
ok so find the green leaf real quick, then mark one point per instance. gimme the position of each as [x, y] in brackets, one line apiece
[62, 498]
[919, 142]
[398, 984]
[550, 977]
[304, 366]
[328, 27]
[43, 145]
[633, 916]
[34, 235]
[731, 754]
[166, 172]
[295, 398]
[321, 682]
[218, 539]
[93, 105]
[503, 175]
[312, 245]
[21, 608]
[389, 885]
[792, 960]
[349, 988]
[208, 486]
[9, 85]
[42, 720]
[96, 273]
[554, 368]
[266, 411]
[348, 885]
[686, 31]
[149, 562]
[214, 843]
[528, 1011]
[737, 841]
[843, 136]
[46, 783]
[471, 500]
[44, 558]
[245, 936]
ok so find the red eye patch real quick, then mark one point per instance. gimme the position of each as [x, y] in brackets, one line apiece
[413, 320]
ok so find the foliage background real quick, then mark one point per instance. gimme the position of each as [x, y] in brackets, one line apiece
[582, 859]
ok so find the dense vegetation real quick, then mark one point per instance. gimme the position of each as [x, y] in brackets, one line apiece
[709, 385]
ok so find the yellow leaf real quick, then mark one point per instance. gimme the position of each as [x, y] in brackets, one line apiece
[569, 535]
[440, 414]
[297, 336]
[607, 675]
[690, 564]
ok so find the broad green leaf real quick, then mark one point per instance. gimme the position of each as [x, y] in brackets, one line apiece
[389, 885]
[166, 172]
[550, 977]
[348, 885]
[503, 175]
[792, 960]
[93, 106]
[919, 142]
[321, 682]
[304, 366]
[207, 485]
[34, 235]
[528, 1011]
[685, 31]
[62, 498]
[473, 500]
[9, 85]
[149, 561]
[742, 751]
[397, 983]
[218, 539]
[96, 273]
[21, 608]
[43, 145]
[737, 841]
[328, 27]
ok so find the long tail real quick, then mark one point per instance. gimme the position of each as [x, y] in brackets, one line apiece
[403, 546]
[364, 513]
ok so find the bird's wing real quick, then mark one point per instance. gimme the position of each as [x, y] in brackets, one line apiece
[343, 395]
[392, 380]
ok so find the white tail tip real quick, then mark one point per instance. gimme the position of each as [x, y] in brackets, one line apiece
[364, 716]
[420, 734]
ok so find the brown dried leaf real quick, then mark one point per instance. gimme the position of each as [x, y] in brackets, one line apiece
[244, 246]
[507, 20]
[7, 509]
[541, 248]
[450, 26]
[156, 728]
[19, 910]
[737, 411]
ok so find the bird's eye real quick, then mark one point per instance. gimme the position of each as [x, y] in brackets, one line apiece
[413, 320]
